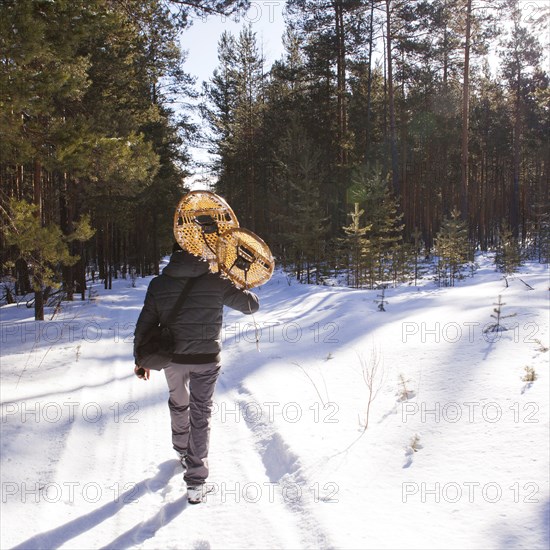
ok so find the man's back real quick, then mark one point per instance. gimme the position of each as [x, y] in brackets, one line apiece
[198, 324]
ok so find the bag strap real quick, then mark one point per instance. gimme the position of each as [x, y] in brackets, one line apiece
[181, 298]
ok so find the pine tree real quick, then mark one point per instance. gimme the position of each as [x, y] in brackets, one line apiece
[386, 234]
[43, 248]
[521, 56]
[331, 34]
[233, 108]
[285, 107]
[498, 316]
[452, 248]
[508, 253]
[387, 240]
[83, 93]
[380, 253]
[43, 78]
[357, 244]
[303, 225]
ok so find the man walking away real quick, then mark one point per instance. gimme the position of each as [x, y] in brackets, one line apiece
[195, 365]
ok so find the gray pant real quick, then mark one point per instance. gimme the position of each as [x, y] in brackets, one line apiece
[191, 390]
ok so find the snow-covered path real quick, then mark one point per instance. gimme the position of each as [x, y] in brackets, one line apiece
[460, 460]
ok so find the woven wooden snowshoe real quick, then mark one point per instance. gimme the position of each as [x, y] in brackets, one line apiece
[200, 218]
[244, 258]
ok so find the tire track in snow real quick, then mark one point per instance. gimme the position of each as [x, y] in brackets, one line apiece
[130, 463]
[282, 467]
[102, 448]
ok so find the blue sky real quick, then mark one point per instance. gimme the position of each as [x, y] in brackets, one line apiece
[201, 41]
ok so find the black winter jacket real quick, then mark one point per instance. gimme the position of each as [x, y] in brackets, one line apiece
[197, 328]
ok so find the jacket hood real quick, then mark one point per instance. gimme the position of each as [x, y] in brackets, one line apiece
[183, 264]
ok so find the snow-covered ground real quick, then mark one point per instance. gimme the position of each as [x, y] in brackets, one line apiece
[455, 454]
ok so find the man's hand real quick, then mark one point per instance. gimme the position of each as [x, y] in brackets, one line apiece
[142, 373]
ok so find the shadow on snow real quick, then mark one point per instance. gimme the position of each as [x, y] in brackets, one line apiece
[139, 533]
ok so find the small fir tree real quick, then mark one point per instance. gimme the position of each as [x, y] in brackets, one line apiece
[384, 258]
[382, 299]
[508, 252]
[44, 248]
[358, 244]
[453, 249]
[497, 315]
[304, 225]
[386, 235]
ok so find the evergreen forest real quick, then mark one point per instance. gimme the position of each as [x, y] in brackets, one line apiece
[391, 137]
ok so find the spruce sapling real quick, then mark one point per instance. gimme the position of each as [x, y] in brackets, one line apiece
[382, 299]
[497, 326]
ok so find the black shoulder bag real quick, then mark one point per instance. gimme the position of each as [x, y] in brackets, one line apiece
[157, 348]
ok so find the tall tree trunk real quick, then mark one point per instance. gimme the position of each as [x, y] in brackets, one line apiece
[385, 108]
[19, 181]
[100, 247]
[156, 248]
[67, 218]
[403, 200]
[369, 83]
[342, 123]
[391, 101]
[37, 276]
[81, 271]
[110, 254]
[466, 114]
[37, 187]
[514, 206]
[106, 254]
[341, 81]
[445, 59]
